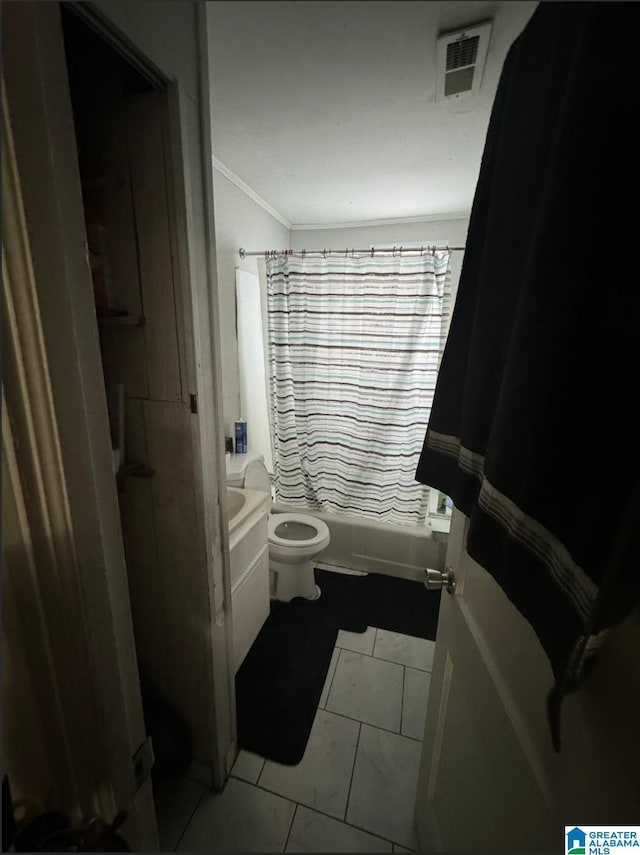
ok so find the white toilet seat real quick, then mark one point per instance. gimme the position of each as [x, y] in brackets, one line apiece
[321, 536]
[292, 554]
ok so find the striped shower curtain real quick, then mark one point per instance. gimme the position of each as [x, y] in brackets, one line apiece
[354, 349]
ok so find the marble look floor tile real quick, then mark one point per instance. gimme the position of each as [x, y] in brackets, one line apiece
[314, 832]
[404, 649]
[414, 702]
[367, 689]
[242, 818]
[383, 790]
[359, 642]
[327, 683]
[322, 779]
[175, 802]
[248, 766]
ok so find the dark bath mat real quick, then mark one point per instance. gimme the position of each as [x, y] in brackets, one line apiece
[280, 682]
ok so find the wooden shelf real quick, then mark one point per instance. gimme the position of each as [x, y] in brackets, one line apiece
[120, 320]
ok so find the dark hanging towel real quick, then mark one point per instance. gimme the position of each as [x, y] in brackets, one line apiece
[534, 427]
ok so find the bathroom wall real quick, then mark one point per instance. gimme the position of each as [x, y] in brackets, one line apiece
[449, 231]
[240, 222]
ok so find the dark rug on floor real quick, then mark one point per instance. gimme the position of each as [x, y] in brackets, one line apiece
[280, 682]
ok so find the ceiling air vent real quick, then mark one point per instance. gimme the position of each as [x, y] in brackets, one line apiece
[461, 58]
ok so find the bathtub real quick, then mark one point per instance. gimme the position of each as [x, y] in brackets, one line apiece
[375, 547]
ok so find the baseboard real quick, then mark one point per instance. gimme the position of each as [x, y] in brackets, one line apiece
[389, 568]
[200, 773]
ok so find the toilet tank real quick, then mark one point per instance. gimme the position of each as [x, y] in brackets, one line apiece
[248, 472]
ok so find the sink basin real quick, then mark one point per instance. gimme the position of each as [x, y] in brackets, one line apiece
[241, 506]
[235, 502]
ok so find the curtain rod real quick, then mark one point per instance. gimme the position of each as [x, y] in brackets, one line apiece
[370, 250]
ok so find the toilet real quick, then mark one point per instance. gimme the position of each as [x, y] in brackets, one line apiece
[295, 540]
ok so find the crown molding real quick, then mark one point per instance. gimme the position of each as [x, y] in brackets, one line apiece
[354, 224]
[358, 224]
[223, 170]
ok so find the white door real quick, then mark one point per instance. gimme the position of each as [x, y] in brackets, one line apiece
[489, 778]
[69, 606]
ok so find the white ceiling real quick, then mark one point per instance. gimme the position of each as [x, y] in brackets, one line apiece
[327, 109]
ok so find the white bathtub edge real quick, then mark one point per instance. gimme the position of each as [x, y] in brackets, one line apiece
[362, 544]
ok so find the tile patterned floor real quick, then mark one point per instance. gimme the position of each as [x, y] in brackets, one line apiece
[355, 787]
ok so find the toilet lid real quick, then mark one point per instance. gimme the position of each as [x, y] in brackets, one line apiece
[293, 530]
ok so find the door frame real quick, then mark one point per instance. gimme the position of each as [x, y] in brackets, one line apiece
[195, 276]
[203, 361]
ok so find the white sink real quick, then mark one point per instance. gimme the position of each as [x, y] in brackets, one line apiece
[236, 500]
[241, 507]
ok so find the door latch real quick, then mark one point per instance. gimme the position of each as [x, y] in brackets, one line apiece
[434, 580]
